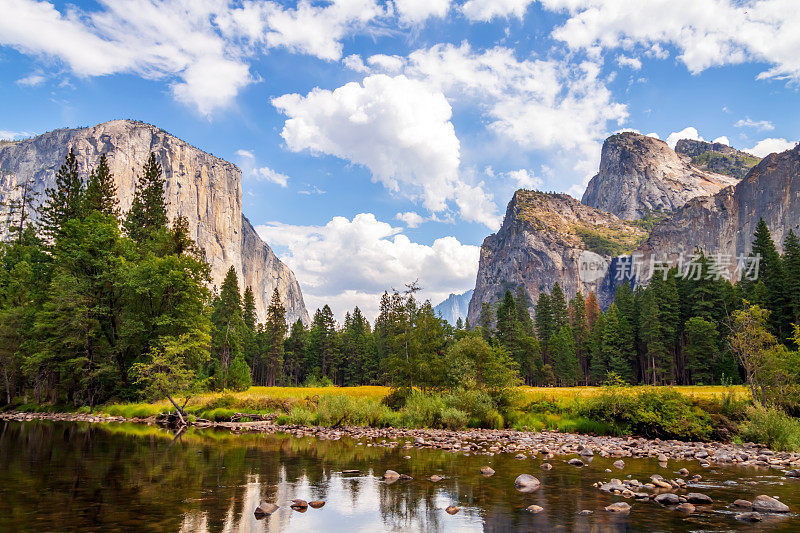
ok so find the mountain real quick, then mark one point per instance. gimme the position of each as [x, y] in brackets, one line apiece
[201, 187]
[641, 175]
[454, 307]
[547, 238]
[717, 157]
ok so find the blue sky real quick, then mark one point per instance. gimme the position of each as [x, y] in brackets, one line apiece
[381, 141]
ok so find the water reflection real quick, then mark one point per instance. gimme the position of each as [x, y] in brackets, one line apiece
[70, 477]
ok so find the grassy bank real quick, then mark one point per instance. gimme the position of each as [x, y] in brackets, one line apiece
[687, 413]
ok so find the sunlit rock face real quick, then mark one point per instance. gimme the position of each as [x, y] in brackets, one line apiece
[641, 175]
[199, 186]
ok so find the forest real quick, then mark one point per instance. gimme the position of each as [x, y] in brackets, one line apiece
[98, 306]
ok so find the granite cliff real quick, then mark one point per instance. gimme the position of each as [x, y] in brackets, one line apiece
[717, 157]
[201, 187]
[455, 306]
[640, 175]
[548, 238]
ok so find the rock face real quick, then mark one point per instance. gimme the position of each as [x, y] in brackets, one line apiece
[724, 223]
[717, 157]
[203, 188]
[454, 307]
[640, 175]
[548, 238]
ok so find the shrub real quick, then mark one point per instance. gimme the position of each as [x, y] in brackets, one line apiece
[299, 416]
[453, 418]
[423, 410]
[773, 428]
[476, 403]
[397, 398]
[494, 420]
[317, 382]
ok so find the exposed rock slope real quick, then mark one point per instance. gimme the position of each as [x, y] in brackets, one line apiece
[717, 157]
[640, 175]
[549, 238]
[454, 307]
[203, 188]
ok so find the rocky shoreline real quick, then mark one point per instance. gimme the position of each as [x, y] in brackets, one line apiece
[522, 444]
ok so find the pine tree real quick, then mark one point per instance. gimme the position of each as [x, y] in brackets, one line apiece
[275, 332]
[564, 357]
[580, 330]
[791, 267]
[702, 349]
[250, 333]
[656, 354]
[770, 271]
[322, 349]
[618, 344]
[459, 324]
[101, 191]
[544, 323]
[558, 304]
[149, 209]
[228, 324]
[523, 315]
[598, 362]
[295, 348]
[65, 201]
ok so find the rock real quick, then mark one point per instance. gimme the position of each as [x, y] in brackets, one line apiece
[520, 456]
[199, 186]
[534, 509]
[405, 477]
[586, 452]
[618, 507]
[406, 457]
[316, 504]
[662, 458]
[487, 470]
[667, 498]
[299, 505]
[683, 472]
[452, 509]
[351, 471]
[265, 509]
[391, 474]
[696, 497]
[768, 504]
[749, 517]
[743, 504]
[526, 483]
[716, 157]
[546, 466]
[620, 464]
[585, 512]
[685, 508]
[793, 473]
[575, 462]
[435, 478]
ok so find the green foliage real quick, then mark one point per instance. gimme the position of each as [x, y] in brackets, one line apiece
[773, 428]
[239, 378]
[610, 242]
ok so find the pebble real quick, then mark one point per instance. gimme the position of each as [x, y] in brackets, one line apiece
[435, 478]
[265, 509]
[546, 466]
[685, 508]
[526, 483]
[487, 470]
[619, 464]
[535, 509]
[452, 509]
[749, 517]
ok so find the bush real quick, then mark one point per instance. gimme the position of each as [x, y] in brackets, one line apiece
[299, 416]
[397, 398]
[453, 418]
[423, 410]
[772, 428]
[318, 382]
[476, 403]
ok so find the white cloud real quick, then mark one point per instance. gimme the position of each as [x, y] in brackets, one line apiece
[354, 62]
[653, 134]
[8, 135]
[707, 33]
[391, 64]
[417, 11]
[630, 62]
[312, 190]
[247, 160]
[272, 176]
[686, 133]
[398, 128]
[525, 179]
[760, 125]
[486, 10]
[323, 259]
[768, 146]
[410, 219]
[722, 140]
[34, 79]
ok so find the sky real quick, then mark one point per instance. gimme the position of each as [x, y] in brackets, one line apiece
[380, 141]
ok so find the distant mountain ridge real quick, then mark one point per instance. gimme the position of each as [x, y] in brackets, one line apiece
[454, 307]
[717, 157]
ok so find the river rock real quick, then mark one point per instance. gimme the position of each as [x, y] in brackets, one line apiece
[585, 512]
[546, 466]
[487, 470]
[299, 505]
[435, 478]
[685, 508]
[696, 497]
[618, 507]
[768, 504]
[265, 509]
[316, 504]
[743, 504]
[534, 509]
[749, 517]
[619, 464]
[667, 499]
[452, 509]
[586, 452]
[526, 483]
[391, 474]
[575, 462]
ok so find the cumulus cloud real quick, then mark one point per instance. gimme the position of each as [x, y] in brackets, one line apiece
[768, 146]
[690, 133]
[707, 34]
[410, 218]
[760, 125]
[417, 11]
[398, 128]
[630, 62]
[247, 160]
[722, 140]
[351, 262]
[486, 10]
[525, 179]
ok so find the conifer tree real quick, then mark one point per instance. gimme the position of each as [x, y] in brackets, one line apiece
[295, 348]
[564, 357]
[226, 317]
[791, 267]
[149, 209]
[558, 304]
[101, 191]
[657, 356]
[275, 332]
[580, 330]
[618, 344]
[770, 271]
[702, 349]
[65, 201]
[544, 323]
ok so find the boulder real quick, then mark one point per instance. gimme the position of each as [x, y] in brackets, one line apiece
[487, 470]
[743, 504]
[526, 483]
[696, 497]
[391, 474]
[749, 517]
[619, 507]
[667, 499]
[687, 508]
[619, 464]
[265, 509]
[768, 504]
[575, 462]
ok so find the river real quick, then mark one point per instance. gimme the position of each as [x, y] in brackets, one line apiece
[59, 476]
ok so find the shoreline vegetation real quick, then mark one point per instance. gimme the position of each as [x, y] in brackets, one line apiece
[99, 310]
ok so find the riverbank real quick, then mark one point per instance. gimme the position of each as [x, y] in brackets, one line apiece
[489, 442]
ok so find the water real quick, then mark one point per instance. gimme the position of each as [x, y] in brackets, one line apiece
[126, 477]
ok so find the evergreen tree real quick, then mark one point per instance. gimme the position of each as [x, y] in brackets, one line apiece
[226, 317]
[657, 356]
[250, 337]
[598, 361]
[523, 315]
[322, 342]
[618, 344]
[149, 209]
[275, 333]
[459, 324]
[592, 310]
[65, 201]
[580, 330]
[564, 357]
[18, 210]
[295, 348]
[770, 271]
[544, 323]
[702, 349]
[101, 191]
[558, 305]
[791, 267]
